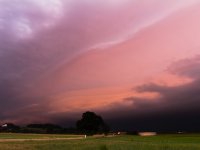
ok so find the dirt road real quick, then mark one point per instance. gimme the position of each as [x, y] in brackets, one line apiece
[43, 139]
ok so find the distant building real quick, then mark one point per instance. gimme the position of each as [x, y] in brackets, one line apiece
[147, 133]
[9, 127]
[121, 133]
[180, 132]
[4, 126]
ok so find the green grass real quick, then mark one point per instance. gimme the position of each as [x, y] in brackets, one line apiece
[161, 142]
[33, 136]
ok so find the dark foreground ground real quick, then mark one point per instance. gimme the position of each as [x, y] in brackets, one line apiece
[73, 142]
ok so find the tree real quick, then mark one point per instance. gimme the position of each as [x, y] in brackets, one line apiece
[44, 128]
[91, 123]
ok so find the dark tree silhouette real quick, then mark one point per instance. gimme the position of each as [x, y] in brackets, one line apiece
[45, 128]
[91, 123]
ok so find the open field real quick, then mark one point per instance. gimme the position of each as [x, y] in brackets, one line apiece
[4, 136]
[161, 142]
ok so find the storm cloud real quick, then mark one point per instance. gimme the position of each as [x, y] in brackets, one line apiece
[59, 58]
[175, 108]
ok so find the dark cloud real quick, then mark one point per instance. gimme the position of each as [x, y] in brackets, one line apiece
[177, 107]
[187, 67]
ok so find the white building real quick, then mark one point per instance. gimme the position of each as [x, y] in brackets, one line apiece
[4, 126]
[147, 133]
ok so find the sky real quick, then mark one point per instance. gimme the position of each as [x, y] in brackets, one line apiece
[135, 62]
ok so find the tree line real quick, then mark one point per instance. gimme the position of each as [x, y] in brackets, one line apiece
[89, 124]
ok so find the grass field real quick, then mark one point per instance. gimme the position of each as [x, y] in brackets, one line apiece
[34, 136]
[161, 142]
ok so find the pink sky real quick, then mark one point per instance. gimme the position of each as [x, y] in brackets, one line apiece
[91, 55]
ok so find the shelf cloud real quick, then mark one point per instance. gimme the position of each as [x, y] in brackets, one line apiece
[59, 58]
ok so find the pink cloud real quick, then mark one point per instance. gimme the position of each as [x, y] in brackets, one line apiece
[93, 54]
